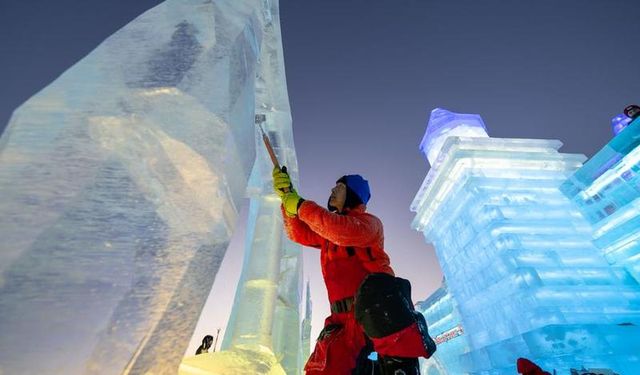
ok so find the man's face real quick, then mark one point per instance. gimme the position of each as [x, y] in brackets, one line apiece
[338, 196]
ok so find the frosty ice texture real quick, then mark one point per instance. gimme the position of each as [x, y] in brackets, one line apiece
[119, 183]
[263, 333]
[266, 314]
[519, 262]
[443, 124]
[607, 191]
[445, 326]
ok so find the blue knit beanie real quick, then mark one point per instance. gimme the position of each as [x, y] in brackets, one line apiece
[358, 185]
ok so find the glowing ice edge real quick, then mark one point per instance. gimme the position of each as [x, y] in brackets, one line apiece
[494, 162]
[611, 175]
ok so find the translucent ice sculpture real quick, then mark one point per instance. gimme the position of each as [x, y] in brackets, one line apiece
[119, 184]
[519, 262]
[607, 191]
[263, 333]
[444, 124]
[445, 326]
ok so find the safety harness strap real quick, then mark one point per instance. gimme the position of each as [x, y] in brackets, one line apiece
[343, 305]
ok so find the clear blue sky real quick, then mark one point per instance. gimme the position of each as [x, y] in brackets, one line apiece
[363, 75]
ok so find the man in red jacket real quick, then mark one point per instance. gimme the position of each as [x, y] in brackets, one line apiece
[371, 309]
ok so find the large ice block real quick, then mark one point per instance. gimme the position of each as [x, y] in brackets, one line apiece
[118, 186]
[519, 262]
[263, 333]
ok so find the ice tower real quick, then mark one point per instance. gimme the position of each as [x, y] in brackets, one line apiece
[263, 333]
[119, 185]
[517, 255]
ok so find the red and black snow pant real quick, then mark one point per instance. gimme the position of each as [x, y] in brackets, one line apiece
[384, 321]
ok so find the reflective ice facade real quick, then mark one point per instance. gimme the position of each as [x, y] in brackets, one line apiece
[607, 191]
[119, 185]
[444, 124]
[445, 326]
[519, 262]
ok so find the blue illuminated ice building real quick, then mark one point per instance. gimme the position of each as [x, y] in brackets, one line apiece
[540, 254]
[607, 192]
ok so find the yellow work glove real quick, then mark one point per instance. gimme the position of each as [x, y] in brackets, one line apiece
[281, 181]
[291, 202]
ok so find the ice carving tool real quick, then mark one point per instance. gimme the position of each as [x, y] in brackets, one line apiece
[259, 119]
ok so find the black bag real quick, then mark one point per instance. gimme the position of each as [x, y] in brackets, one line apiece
[383, 305]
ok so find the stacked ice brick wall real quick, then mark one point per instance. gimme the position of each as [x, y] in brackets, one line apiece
[445, 326]
[607, 191]
[517, 255]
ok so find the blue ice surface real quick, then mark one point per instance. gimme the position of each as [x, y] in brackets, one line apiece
[444, 321]
[442, 124]
[606, 190]
[521, 260]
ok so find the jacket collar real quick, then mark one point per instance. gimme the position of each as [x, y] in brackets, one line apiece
[357, 210]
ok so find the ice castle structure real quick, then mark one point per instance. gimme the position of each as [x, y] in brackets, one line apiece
[518, 258]
[607, 191]
[445, 325]
[119, 186]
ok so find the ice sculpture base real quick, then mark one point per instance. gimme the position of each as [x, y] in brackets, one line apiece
[258, 360]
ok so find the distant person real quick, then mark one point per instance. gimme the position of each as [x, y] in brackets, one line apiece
[371, 309]
[207, 341]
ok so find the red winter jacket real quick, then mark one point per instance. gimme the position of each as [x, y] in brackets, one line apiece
[351, 245]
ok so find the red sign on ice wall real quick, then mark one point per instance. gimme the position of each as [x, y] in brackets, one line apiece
[449, 335]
